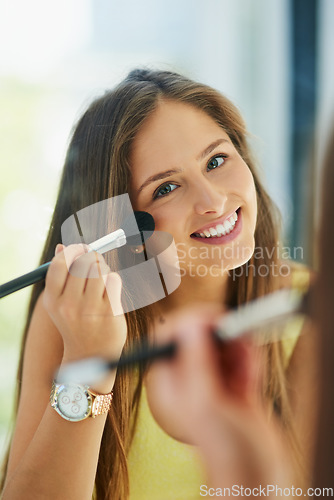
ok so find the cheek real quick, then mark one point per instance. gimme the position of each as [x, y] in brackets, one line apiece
[246, 187]
[251, 191]
[166, 215]
[166, 219]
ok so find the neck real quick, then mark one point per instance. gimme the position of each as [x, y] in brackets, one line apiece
[194, 290]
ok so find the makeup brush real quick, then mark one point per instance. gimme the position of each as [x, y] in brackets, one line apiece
[249, 319]
[116, 239]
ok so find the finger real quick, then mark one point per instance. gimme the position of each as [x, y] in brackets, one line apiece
[59, 248]
[113, 292]
[248, 371]
[200, 352]
[192, 332]
[79, 272]
[199, 357]
[238, 363]
[57, 274]
[95, 284]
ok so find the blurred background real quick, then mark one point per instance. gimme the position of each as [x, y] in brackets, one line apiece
[272, 58]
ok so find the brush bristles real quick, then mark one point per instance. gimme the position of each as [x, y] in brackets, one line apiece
[145, 223]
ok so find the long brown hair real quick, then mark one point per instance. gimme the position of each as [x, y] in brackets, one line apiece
[96, 168]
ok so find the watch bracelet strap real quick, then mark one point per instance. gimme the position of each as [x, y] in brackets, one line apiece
[53, 390]
[101, 403]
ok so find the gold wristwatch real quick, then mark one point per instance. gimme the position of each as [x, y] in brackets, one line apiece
[76, 402]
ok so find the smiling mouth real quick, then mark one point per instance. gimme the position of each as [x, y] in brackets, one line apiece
[219, 230]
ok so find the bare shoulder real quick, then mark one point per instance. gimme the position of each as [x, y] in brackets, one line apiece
[302, 365]
[42, 354]
[303, 386]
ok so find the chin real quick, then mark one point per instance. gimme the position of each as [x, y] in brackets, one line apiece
[243, 254]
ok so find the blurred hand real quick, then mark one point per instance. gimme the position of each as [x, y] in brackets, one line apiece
[212, 392]
[206, 373]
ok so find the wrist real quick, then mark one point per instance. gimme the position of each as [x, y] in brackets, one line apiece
[106, 384]
[102, 385]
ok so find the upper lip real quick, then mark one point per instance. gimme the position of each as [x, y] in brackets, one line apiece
[215, 222]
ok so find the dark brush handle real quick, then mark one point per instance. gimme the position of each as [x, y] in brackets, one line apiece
[25, 280]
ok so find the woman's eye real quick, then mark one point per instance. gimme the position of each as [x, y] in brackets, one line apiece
[216, 161]
[164, 190]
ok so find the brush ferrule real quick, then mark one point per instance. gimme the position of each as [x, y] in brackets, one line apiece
[111, 241]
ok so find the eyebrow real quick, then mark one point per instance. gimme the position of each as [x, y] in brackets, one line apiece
[168, 173]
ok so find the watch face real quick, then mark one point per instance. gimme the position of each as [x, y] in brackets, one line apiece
[73, 402]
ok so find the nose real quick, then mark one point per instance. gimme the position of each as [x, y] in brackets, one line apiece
[207, 197]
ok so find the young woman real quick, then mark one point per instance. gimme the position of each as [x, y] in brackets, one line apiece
[180, 150]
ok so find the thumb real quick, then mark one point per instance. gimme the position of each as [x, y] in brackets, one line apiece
[59, 248]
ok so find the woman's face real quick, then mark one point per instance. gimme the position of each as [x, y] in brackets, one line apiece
[189, 176]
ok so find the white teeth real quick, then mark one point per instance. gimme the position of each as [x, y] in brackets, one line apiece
[220, 229]
[227, 225]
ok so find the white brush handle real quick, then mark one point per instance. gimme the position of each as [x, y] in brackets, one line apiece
[270, 309]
